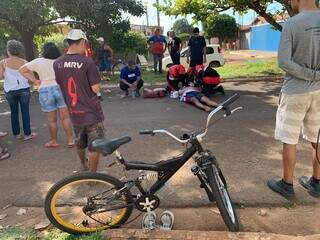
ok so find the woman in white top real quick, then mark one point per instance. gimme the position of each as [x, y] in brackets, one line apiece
[17, 89]
[50, 96]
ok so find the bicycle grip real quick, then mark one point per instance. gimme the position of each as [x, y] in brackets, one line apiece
[146, 132]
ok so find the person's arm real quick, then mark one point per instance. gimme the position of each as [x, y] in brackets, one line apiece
[28, 74]
[93, 77]
[189, 46]
[1, 70]
[180, 45]
[123, 78]
[286, 61]
[165, 44]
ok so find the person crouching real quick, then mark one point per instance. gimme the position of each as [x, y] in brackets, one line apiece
[176, 75]
[130, 79]
[208, 79]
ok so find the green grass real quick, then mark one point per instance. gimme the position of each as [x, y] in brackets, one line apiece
[18, 234]
[250, 69]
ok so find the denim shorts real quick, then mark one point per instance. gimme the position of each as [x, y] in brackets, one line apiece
[51, 99]
[190, 95]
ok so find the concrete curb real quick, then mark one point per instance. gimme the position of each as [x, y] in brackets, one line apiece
[123, 234]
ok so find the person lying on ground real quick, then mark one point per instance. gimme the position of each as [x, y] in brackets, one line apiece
[176, 75]
[194, 96]
[208, 79]
[130, 79]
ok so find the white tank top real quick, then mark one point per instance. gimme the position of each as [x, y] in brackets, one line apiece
[13, 80]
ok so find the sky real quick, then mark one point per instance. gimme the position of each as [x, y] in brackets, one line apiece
[167, 21]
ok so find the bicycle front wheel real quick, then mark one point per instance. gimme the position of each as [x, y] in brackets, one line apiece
[87, 203]
[222, 197]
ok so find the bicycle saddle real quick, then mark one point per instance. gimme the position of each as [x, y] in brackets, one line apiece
[107, 147]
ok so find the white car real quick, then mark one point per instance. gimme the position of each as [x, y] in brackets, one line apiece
[215, 57]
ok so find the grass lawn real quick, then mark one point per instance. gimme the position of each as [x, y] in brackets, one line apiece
[246, 69]
[18, 234]
[250, 69]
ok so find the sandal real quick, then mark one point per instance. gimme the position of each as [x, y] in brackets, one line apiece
[51, 145]
[149, 221]
[71, 145]
[5, 156]
[167, 220]
[29, 137]
[3, 134]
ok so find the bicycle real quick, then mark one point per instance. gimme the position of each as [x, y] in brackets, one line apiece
[111, 204]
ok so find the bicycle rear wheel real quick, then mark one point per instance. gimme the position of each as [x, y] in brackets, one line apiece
[222, 197]
[88, 202]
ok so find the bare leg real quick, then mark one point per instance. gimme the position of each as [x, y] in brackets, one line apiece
[198, 104]
[316, 164]
[209, 102]
[83, 159]
[289, 162]
[53, 126]
[66, 123]
[93, 161]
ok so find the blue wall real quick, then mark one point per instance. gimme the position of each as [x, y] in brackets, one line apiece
[264, 38]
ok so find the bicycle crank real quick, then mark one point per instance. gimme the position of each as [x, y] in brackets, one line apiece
[147, 203]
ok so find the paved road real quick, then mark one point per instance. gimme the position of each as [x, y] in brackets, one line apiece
[243, 144]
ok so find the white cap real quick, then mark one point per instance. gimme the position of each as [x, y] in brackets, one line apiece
[100, 39]
[76, 34]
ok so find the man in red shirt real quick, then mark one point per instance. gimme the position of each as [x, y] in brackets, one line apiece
[79, 81]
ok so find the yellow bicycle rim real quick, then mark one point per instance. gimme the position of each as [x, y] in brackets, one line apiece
[71, 226]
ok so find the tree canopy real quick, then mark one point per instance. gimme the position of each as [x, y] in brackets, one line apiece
[221, 26]
[101, 17]
[202, 10]
[182, 26]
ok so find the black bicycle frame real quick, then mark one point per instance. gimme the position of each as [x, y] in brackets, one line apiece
[166, 169]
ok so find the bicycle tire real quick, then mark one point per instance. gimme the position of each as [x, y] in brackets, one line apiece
[86, 176]
[214, 181]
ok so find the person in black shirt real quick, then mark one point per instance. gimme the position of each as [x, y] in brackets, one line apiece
[175, 46]
[197, 48]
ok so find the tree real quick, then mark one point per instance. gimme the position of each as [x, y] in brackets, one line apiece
[221, 26]
[182, 26]
[203, 9]
[28, 17]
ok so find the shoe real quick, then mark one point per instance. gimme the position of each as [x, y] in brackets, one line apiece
[282, 188]
[221, 90]
[137, 93]
[29, 137]
[311, 185]
[100, 98]
[18, 137]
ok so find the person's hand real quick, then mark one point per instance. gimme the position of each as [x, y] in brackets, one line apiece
[37, 82]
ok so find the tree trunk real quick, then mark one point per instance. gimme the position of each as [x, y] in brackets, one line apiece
[262, 12]
[27, 39]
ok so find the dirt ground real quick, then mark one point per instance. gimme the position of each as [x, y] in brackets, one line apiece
[296, 220]
[248, 55]
[243, 145]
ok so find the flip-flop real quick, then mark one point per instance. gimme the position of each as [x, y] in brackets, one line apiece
[31, 136]
[167, 220]
[149, 221]
[5, 156]
[52, 145]
[71, 145]
[3, 134]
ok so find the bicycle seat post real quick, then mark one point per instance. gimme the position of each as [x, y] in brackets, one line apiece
[119, 157]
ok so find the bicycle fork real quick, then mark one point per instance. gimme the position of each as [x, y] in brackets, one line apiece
[196, 171]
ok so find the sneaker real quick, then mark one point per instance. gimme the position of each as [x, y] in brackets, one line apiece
[221, 90]
[100, 98]
[282, 188]
[137, 93]
[311, 185]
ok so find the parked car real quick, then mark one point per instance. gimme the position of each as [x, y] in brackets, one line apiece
[215, 57]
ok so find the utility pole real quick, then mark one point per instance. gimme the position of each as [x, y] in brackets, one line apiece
[147, 14]
[158, 12]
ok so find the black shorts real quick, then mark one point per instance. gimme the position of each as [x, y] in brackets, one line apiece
[87, 134]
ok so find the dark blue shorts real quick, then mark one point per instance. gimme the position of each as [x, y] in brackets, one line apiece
[105, 66]
[190, 95]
